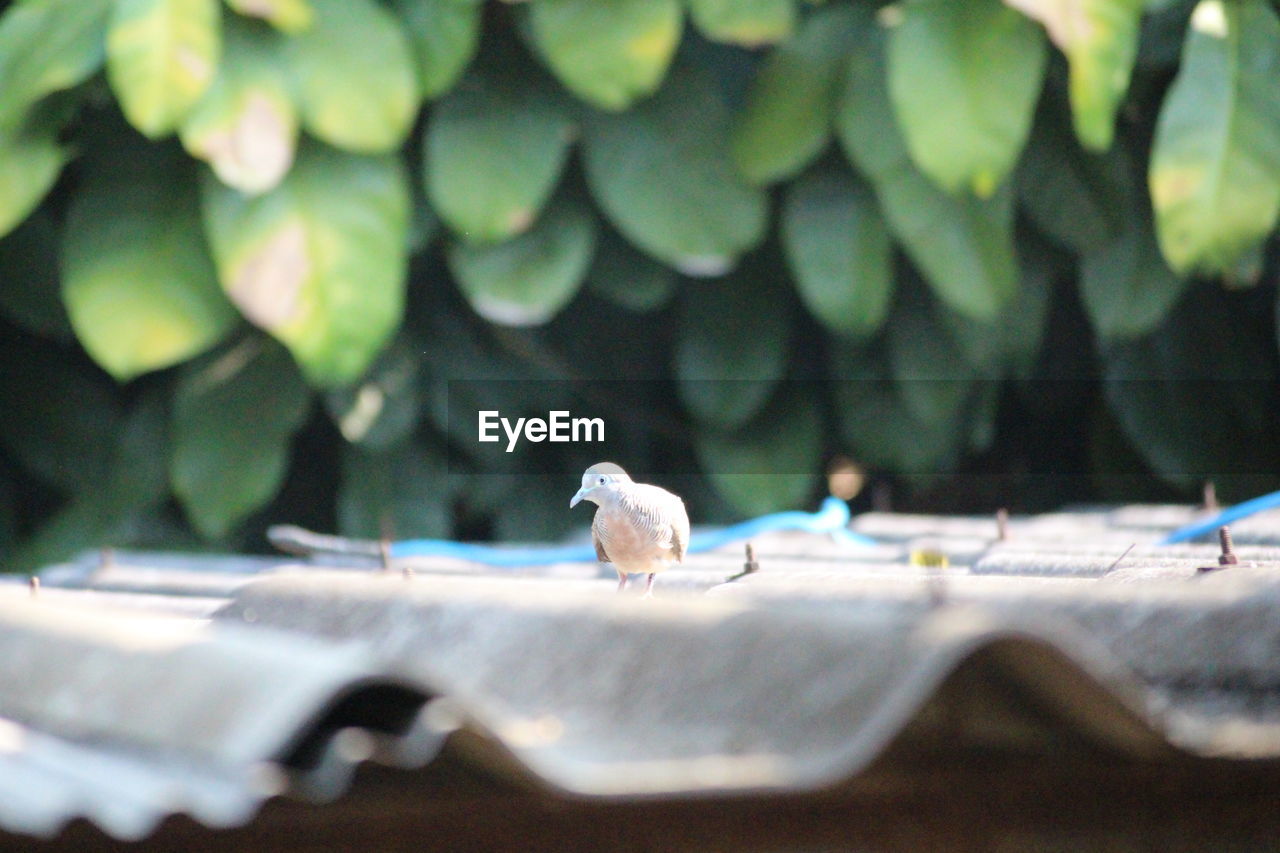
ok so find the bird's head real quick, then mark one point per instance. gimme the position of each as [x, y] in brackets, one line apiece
[600, 480]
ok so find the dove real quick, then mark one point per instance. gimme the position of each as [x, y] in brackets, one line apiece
[638, 527]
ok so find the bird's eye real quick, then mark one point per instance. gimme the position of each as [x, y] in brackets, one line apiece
[601, 481]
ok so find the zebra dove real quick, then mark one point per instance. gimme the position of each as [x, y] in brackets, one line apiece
[639, 528]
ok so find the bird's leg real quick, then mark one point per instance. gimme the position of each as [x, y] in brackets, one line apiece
[622, 581]
[648, 586]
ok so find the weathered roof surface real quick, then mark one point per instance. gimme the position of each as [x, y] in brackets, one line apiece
[143, 686]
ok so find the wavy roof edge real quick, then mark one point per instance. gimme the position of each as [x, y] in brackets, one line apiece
[378, 692]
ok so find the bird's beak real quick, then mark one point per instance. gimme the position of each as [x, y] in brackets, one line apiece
[574, 501]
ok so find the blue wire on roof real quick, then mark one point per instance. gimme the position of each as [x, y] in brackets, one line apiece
[832, 518]
[1227, 516]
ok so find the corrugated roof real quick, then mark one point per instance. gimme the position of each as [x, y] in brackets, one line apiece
[149, 685]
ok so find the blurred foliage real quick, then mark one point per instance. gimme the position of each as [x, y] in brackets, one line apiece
[1009, 252]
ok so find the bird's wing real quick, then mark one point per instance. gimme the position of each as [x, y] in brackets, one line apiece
[661, 514]
[595, 540]
[679, 531]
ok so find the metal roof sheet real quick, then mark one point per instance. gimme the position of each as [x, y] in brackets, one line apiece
[150, 685]
[692, 696]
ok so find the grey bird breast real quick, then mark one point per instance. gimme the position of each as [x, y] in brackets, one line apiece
[643, 530]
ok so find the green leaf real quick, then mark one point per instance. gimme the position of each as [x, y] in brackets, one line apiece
[398, 493]
[161, 57]
[111, 464]
[1193, 396]
[964, 78]
[47, 46]
[69, 413]
[424, 225]
[1161, 32]
[749, 23]
[1247, 270]
[607, 52]
[319, 262]
[75, 527]
[626, 277]
[444, 35]
[838, 250]
[494, 149]
[233, 418]
[981, 345]
[661, 175]
[1027, 318]
[246, 126]
[770, 465]
[29, 165]
[731, 348]
[1074, 197]
[138, 476]
[787, 119]
[31, 158]
[383, 408]
[287, 16]
[137, 280]
[1100, 40]
[30, 293]
[1126, 286]
[493, 378]
[1215, 165]
[355, 78]
[883, 430]
[963, 245]
[1011, 345]
[528, 279]
[135, 482]
[931, 375]
[631, 353]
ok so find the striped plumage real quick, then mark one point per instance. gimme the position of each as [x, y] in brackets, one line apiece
[639, 528]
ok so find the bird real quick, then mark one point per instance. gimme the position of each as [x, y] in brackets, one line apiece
[638, 527]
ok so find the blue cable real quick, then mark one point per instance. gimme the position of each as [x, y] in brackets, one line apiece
[1235, 513]
[831, 518]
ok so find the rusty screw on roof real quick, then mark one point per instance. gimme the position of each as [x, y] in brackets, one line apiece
[750, 567]
[1210, 500]
[1228, 555]
[384, 554]
[1002, 524]
[33, 583]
